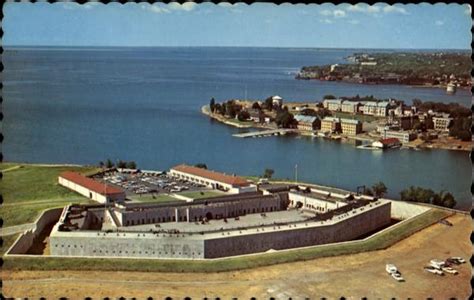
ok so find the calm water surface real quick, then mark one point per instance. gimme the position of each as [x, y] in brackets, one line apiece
[65, 106]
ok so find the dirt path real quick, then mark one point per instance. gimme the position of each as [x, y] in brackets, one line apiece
[360, 275]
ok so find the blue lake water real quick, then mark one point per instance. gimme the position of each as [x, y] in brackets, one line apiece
[83, 106]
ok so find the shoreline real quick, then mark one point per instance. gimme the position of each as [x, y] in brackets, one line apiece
[343, 139]
[385, 83]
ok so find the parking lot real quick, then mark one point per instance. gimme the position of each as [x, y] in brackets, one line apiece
[154, 186]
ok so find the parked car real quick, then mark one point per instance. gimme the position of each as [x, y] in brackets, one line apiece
[390, 268]
[433, 270]
[458, 259]
[449, 270]
[437, 263]
[397, 276]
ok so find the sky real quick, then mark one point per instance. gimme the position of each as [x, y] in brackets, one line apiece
[411, 26]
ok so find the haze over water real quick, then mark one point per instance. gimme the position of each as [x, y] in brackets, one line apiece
[143, 104]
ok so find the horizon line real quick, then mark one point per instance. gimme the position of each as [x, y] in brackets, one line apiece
[214, 46]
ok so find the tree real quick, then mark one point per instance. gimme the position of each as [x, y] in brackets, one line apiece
[131, 165]
[243, 115]
[284, 119]
[101, 164]
[121, 164]
[379, 189]
[329, 97]
[230, 109]
[212, 104]
[368, 192]
[269, 103]
[268, 173]
[201, 166]
[447, 199]
[255, 105]
[109, 164]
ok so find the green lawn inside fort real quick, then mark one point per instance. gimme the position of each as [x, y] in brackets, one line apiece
[201, 194]
[378, 242]
[155, 198]
[29, 189]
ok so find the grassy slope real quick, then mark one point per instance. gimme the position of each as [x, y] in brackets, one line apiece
[381, 241]
[29, 189]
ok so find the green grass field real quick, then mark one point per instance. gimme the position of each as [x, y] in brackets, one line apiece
[379, 242]
[29, 189]
[201, 194]
[160, 198]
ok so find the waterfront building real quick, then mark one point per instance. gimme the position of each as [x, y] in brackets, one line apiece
[402, 136]
[330, 124]
[308, 123]
[387, 143]
[350, 106]
[212, 179]
[351, 127]
[90, 188]
[442, 123]
[332, 104]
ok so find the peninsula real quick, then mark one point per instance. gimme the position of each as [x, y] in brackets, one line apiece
[439, 69]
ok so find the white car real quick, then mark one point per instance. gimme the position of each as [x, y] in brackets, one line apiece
[433, 270]
[390, 268]
[437, 263]
[397, 276]
[449, 270]
[459, 259]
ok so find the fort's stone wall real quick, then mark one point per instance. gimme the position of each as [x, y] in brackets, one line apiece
[25, 241]
[220, 244]
[301, 235]
[147, 245]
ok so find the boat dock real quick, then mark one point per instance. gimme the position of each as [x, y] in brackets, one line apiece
[262, 133]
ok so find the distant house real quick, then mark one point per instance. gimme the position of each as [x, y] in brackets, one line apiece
[350, 106]
[332, 104]
[330, 124]
[351, 127]
[387, 143]
[277, 100]
[402, 136]
[307, 123]
[379, 109]
[442, 123]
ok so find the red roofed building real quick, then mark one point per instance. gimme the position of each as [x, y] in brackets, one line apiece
[212, 179]
[387, 143]
[90, 188]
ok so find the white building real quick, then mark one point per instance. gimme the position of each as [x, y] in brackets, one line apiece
[442, 123]
[379, 109]
[332, 104]
[277, 100]
[214, 180]
[94, 190]
[350, 106]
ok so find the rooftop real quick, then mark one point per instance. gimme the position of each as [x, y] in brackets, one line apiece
[95, 186]
[306, 119]
[212, 175]
[350, 121]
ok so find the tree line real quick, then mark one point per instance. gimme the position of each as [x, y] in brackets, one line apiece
[119, 164]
